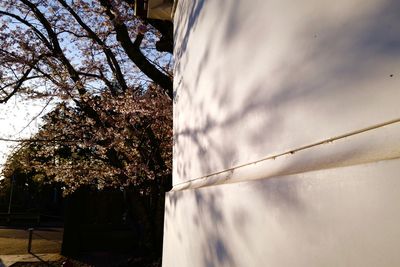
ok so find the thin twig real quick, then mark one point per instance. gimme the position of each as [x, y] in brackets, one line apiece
[35, 117]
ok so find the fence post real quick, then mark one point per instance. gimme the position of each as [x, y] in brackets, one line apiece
[30, 239]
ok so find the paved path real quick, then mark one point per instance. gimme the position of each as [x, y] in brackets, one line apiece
[15, 241]
[8, 260]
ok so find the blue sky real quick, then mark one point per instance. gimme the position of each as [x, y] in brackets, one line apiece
[19, 119]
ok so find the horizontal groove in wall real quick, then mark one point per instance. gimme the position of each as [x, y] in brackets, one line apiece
[374, 143]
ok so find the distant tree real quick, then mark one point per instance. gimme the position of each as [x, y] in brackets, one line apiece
[32, 190]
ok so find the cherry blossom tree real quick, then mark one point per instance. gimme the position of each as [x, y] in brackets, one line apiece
[110, 73]
[131, 150]
[99, 61]
[72, 48]
[132, 145]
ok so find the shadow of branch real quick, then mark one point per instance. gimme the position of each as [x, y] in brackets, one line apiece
[41, 260]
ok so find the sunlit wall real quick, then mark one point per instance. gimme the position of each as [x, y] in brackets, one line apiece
[286, 134]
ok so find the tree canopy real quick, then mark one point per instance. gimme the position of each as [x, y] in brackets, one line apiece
[68, 48]
[111, 75]
[133, 145]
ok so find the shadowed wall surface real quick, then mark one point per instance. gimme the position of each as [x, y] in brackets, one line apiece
[338, 217]
[280, 108]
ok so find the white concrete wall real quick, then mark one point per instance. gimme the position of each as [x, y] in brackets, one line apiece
[346, 216]
[286, 134]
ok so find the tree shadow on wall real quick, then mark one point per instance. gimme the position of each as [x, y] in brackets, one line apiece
[336, 58]
[328, 58]
[205, 220]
